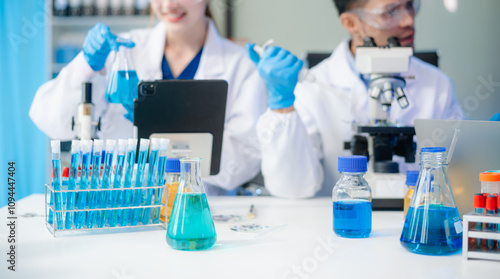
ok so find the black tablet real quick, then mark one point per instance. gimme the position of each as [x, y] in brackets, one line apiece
[190, 108]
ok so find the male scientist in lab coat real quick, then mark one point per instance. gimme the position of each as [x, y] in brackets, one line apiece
[303, 131]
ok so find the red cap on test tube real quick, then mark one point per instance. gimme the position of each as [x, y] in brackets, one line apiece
[65, 172]
[491, 202]
[479, 201]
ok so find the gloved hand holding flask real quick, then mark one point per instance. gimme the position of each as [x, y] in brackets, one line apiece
[98, 44]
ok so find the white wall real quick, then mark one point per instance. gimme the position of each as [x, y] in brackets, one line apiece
[467, 40]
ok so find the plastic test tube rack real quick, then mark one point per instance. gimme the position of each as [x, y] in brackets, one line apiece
[49, 190]
[469, 249]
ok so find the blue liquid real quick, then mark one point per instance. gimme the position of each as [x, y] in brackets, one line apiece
[56, 183]
[352, 218]
[490, 243]
[162, 162]
[70, 199]
[478, 226]
[127, 194]
[104, 197]
[94, 195]
[115, 195]
[122, 87]
[191, 226]
[153, 160]
[432, 231]
[82, 196]
[138, 194]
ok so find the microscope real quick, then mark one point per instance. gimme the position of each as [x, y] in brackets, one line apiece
[86, 127]
[381, 139]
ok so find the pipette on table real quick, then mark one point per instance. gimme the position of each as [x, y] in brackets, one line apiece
[304, 74]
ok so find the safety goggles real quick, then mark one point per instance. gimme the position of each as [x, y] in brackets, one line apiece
[388, 17]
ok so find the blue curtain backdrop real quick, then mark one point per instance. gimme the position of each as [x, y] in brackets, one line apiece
[23, 68]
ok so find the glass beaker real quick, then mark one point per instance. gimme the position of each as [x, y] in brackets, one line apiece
[123, 80]
[432, 225]
[191, 226]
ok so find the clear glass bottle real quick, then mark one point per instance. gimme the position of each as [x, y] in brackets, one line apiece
[123, 80]
[191, 226]
[352, 199]
[411, 181]
[172, 184]
[433, 225]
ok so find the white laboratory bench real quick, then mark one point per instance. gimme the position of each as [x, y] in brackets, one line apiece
[305, 248]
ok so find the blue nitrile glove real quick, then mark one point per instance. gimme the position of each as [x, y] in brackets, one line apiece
[495, 117]
[280, 69]
[98, 44]
[130, 112]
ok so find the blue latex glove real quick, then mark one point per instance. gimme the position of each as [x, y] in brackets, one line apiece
[280, 69]
[130, 112]
[98, 44]
[495, 117]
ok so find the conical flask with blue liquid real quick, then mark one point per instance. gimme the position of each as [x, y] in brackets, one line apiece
[432, 225]
[123, 80]
[191, 226]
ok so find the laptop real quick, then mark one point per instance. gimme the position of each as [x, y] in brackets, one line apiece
[477, 150]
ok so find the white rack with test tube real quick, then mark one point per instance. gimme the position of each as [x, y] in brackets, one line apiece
[470, 234]
[51, 219]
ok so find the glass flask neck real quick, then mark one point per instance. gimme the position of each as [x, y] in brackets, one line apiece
[191, 175]
[433, 159]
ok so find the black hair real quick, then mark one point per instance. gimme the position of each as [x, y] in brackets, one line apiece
[346, 5]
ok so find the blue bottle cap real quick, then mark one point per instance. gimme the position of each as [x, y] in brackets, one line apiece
[354, 163]
[433, 149]
[173, 165]
[412, 177]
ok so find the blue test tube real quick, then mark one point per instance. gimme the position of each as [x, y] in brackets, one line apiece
[160, 178]
[95, 183]
[56, 180]
[153, 162]
[117, 182]
[106, 182]
[139, 180]
[73, 176]
[479, 209]
[84, 183]
[491, 207]
[129, 173]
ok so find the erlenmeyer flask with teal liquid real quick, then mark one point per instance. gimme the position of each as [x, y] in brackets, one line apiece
[123, 80]
[191, 226]
[432, 225]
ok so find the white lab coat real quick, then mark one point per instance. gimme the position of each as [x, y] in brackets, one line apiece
[56, 101]
[300, 148]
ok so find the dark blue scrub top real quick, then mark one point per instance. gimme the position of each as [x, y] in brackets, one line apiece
[188, 72]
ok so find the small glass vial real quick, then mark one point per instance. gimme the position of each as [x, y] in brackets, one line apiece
[352, 199]
[491, 210]
[172, 184]
[411, 181]
[490, 182]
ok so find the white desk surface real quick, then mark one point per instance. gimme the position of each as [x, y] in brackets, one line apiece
[305, 248]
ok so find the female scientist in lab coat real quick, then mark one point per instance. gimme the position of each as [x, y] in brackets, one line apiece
[185, 44]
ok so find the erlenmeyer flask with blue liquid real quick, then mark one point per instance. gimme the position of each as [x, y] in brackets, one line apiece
[123, 80]
[191, 226]
[432, 225]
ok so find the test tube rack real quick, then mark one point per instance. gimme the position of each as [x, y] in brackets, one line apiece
[469, 249]
[50, 192]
